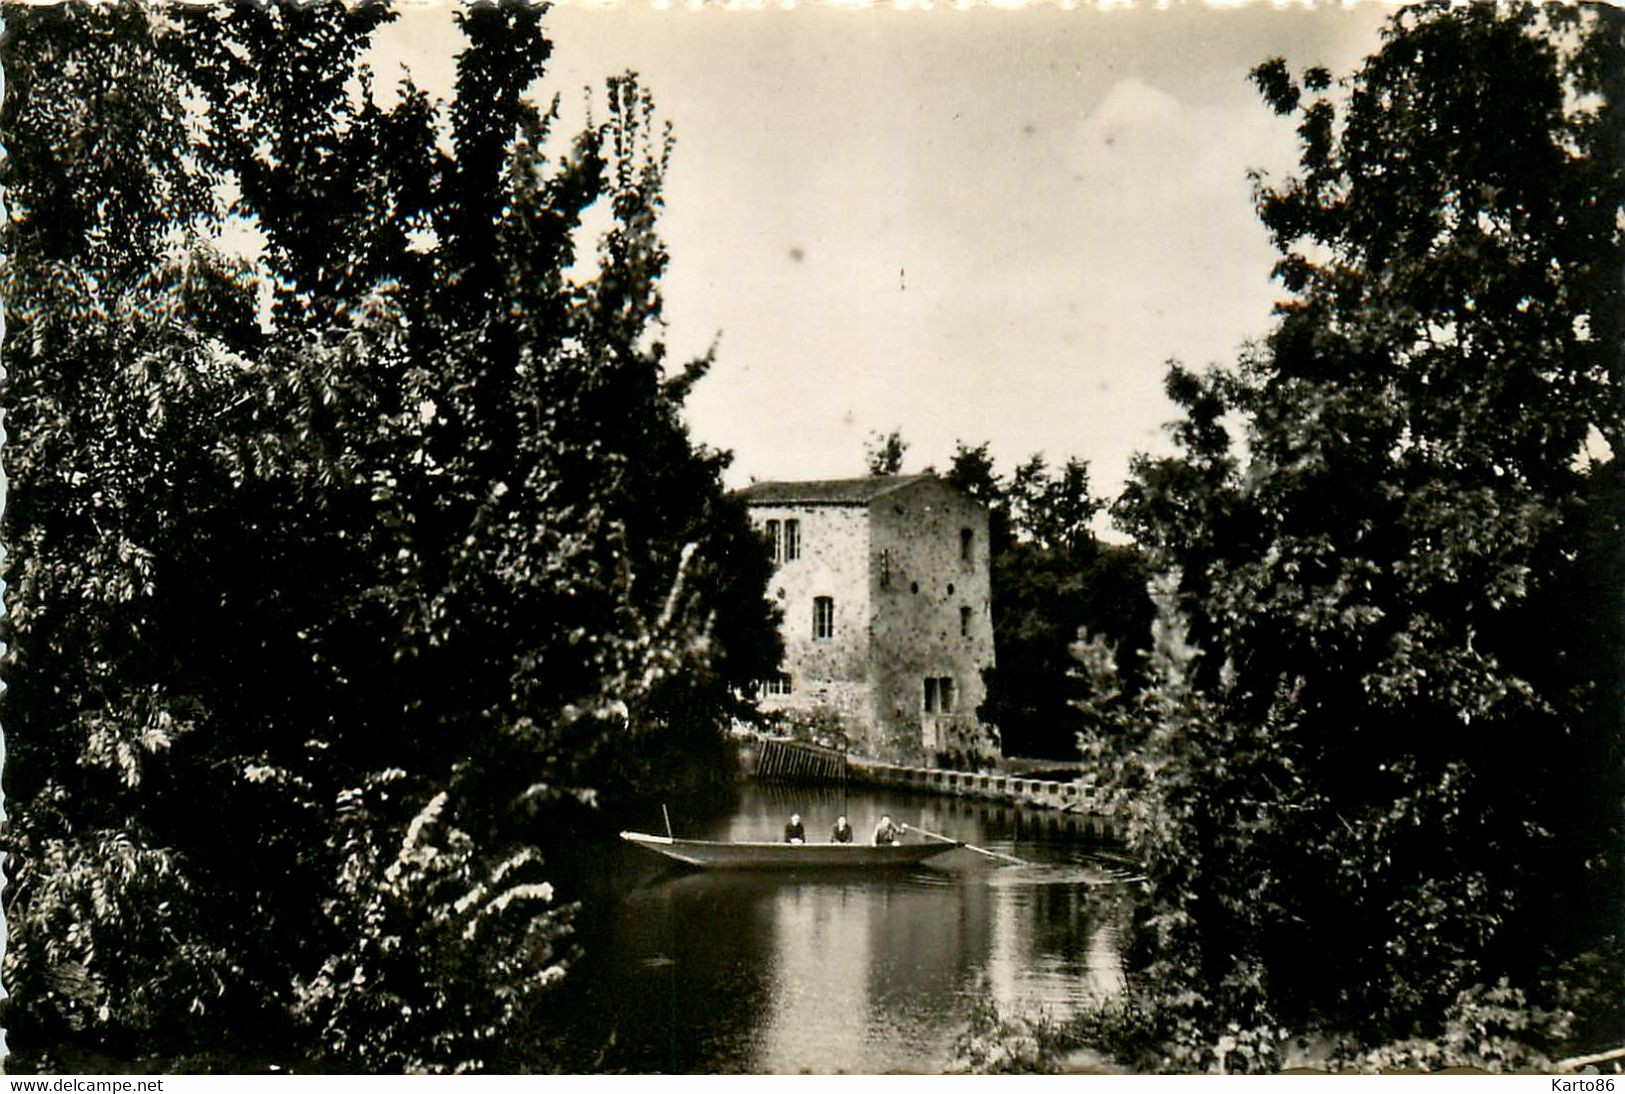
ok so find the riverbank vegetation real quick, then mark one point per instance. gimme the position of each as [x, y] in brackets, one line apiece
[348, 566]
[1375, 771]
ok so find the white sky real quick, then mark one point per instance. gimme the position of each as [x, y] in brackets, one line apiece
[988, 225]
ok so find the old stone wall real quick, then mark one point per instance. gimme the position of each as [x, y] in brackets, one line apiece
[900, 677]
[829, 676]
[932, 620]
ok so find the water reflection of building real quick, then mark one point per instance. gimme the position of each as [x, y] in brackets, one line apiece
[858, 973]
[820, 997]
[863, 973]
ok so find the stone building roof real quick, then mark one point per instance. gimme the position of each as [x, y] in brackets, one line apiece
[827, 491]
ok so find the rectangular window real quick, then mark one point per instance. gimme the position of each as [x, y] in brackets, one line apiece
[945, 694]
[777, 685]
[773, 539]
[823, 617]
[885, 568]
[792, 540]
[964, 620]
[966, 539]
[930, 694]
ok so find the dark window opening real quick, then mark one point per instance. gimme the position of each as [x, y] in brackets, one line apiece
[792, 540]
[930, 694]
[964, 620]
[777, 685]
[773, 539]
[885, 568]
[945, 694]
[966, 537]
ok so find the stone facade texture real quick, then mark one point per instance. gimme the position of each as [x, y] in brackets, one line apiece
[904, 561]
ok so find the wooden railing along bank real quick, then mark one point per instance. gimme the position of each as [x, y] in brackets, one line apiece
[1045, 793]
[797, 761]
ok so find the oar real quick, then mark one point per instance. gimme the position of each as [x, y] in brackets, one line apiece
[1011, 859]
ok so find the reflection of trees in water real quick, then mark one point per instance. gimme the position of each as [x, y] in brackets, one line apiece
[853, 970]
[1058, 943]
[675, 977]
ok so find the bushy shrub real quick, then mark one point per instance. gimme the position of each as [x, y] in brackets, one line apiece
[442, 957]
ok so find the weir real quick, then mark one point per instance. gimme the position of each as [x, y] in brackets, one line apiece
[773, 759]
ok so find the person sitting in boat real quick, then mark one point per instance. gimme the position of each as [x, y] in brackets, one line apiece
[842, 832]
[794, 832]
[887, 833]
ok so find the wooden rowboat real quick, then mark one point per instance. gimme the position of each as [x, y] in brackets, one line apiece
[710, 855]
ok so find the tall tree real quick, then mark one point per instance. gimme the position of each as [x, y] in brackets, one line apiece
[427, 538]
[884, 453]
[110, 381]
[971, 470]
[1402, 754]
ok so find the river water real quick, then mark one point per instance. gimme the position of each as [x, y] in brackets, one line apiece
[855, 971]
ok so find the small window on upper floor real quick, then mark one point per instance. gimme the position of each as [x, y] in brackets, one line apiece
[964, 620]
[823, 617]
[885, 568]
[792, 540]
[945, 694]
[930, 694]
[773, 539]
[967, 539]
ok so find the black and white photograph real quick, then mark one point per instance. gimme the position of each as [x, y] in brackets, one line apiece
[775, 537]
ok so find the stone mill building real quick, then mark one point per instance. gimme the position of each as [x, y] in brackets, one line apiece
[887, 626]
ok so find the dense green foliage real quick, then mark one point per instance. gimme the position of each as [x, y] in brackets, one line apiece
[1053, 582]
[342, 577]
[1377, 772]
